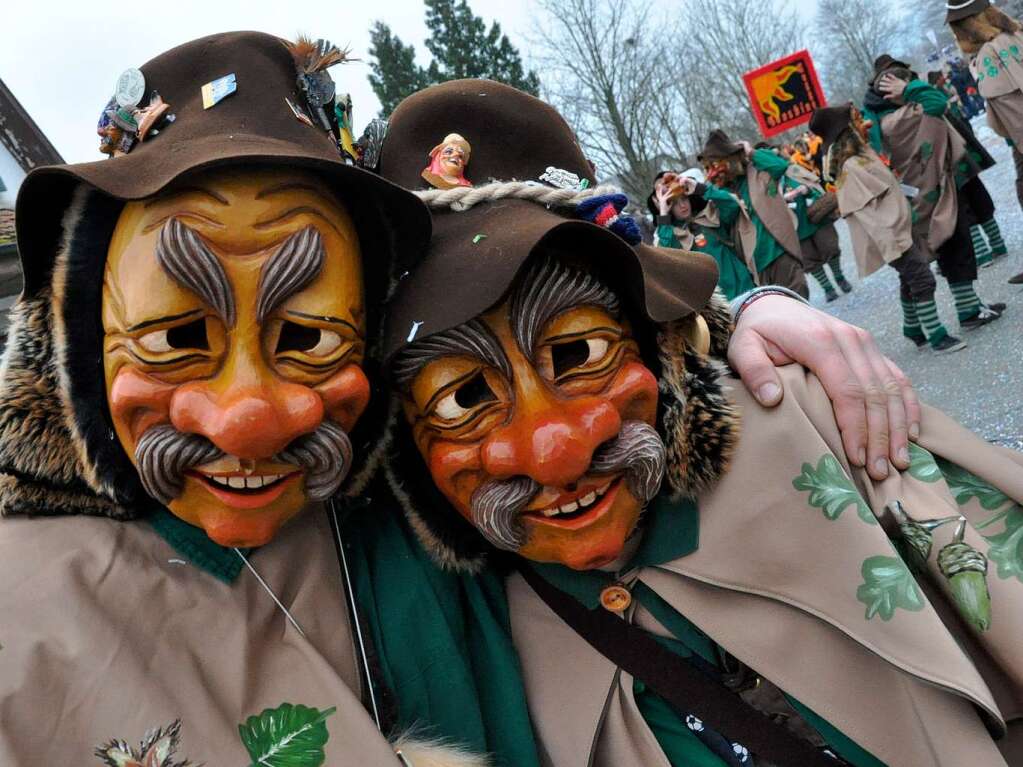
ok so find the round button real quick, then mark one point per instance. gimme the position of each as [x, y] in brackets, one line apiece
[615, 598]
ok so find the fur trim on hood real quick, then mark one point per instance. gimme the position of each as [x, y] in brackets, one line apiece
[59, 453]
[699, 424]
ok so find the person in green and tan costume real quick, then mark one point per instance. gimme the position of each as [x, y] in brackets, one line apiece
[691, 215]
[183, 392]
[930, 156]
[765, 229]
[564, 422]
[879, 218]
[994, 44]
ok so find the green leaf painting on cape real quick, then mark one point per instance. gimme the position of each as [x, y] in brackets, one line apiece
[286, 736]
[831, 490]
[888, 585]
[922, 465]
[965, 486]
[1005, 549]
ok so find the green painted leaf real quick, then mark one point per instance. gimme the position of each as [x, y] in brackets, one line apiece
[926, 150]
[286, 736]
[888, 585]
[922, 465]
[1005, 549]
[965, 486]
[831, 490]
[932, 196]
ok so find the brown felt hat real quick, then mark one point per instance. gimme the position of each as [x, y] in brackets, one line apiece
[254, 125]
[475, 255]
[885, 62]
[829, 122]
[718, 146]
[960, 9]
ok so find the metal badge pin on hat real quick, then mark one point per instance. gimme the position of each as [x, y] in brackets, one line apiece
[125, 121]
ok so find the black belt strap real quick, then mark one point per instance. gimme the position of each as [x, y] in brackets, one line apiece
[686, 689]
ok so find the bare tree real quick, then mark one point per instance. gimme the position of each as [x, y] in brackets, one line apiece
[643, 90]
[857, 32]
[600, 70]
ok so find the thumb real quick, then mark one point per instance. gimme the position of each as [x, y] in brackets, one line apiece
[748, 355]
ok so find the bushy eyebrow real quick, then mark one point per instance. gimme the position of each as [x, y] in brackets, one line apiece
[548, 288]
[291, 268]
[184, 256]
[472, 339]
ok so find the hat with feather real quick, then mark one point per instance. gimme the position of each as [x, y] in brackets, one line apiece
[58, 453]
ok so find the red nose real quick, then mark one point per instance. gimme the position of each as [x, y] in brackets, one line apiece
[254, 423]
[554, 444]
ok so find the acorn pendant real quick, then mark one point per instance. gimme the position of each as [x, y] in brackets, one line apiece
[966, 570]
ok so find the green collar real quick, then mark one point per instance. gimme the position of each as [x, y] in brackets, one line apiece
[672, 530]
[192, 543]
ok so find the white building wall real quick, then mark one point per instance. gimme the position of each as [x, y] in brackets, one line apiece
[12, 176]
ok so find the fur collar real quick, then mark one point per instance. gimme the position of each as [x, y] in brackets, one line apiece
[58, 450]
[698, 422]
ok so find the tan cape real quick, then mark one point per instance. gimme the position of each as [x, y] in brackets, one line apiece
[109, 633]
[773, 211]
[791, 583]
[998, 69]
[924, 151]
[875, 210]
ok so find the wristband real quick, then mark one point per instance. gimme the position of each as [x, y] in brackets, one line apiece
[742, 303]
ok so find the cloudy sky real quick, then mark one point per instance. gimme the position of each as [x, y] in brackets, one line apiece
[61, 58]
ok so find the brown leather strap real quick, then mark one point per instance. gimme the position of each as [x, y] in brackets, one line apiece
[686, 689]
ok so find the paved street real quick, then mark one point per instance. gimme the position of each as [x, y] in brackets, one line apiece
[982, 385]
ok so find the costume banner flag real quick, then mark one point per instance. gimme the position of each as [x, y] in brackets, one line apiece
[784, 93]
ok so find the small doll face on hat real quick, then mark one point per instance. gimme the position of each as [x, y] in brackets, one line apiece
[233, 320]
[448, 161]
[536, 419]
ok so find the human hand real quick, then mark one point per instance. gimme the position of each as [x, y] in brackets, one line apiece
[661, 195]
[747, 148]
[876, 408]
[891, 86]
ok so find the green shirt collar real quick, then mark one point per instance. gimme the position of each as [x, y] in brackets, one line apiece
[192, 543]
[671, 531]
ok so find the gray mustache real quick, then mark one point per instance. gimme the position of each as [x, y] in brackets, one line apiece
[638, 451]
[164, 454]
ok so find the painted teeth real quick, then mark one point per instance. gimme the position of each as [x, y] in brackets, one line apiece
[246, 483]
[579, 503]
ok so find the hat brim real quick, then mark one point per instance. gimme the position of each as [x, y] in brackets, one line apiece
[970, 10]
[46, 192]
[475, 256]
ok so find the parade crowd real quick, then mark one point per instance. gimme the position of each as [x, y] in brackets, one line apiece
[902, 169]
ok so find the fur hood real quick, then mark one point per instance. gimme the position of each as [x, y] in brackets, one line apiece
[59, 453]
[699, 424]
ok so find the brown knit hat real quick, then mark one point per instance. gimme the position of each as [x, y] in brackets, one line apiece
[254, 125]
[475, 254]
[960, 9]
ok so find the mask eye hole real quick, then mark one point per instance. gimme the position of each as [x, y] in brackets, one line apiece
[574, 354]
[189, 336]
[318, 342]
[473, 393]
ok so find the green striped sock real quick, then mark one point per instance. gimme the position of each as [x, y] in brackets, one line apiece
[822, 279]
[980, 247]
[836, 268]
[910, 321]
[927, 313]
[994, 237]
[966, 299]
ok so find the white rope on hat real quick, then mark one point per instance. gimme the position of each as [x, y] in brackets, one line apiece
[950, 7]
[462, 198]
